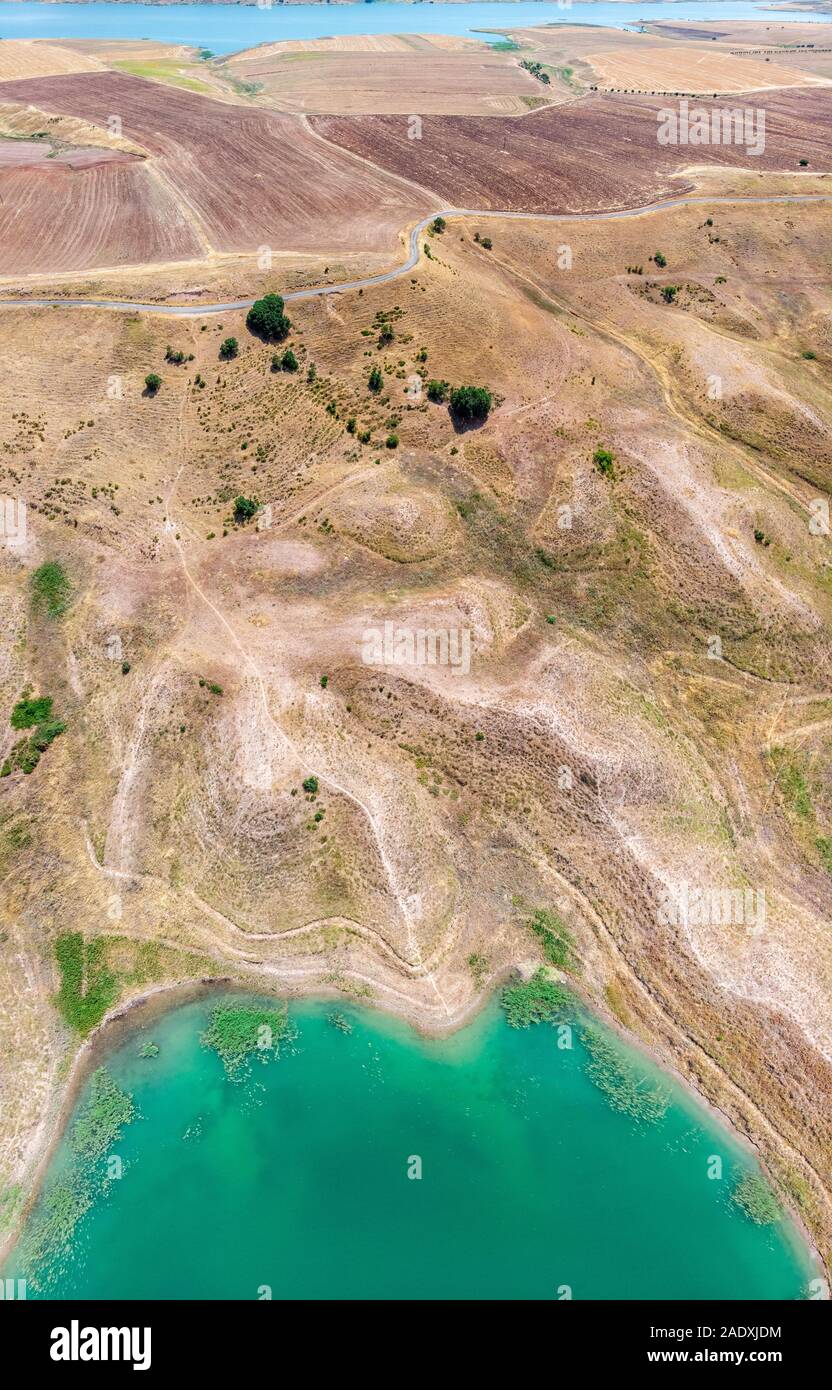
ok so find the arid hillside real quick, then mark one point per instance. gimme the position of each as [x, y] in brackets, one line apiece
[317, 676]
[593, 750]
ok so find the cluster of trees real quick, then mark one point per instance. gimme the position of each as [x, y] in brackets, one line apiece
[267, 320]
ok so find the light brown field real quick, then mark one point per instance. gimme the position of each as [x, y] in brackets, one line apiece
[32, 58]
[361, 43]
[693, 69]
[469, 81]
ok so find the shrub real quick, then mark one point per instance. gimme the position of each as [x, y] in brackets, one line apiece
[51, 588]
[288, 361]
[438, 225]
[267, 319]
[604, 462]
[660, 259]
[392, 441]
[152, 382]
[375, 381]
[438, 391]
[29, 712]
[228, 348]
[669, 293]
[310, 785]
[470, 404]
[244, 509]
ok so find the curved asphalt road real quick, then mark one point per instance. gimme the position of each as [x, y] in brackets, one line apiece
[200, 310]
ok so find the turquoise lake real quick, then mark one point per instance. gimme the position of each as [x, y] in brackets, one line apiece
[294, 1178]
[225, 28]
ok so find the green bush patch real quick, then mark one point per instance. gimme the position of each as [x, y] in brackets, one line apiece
[538, 1000]
[29, 712]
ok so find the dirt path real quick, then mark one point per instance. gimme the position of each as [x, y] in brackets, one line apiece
[385, 277]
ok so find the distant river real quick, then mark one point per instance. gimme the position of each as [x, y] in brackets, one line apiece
[301, 1177]
[226, 28]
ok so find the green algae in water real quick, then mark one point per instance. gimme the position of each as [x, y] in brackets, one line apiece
[753, 1195]
[99, 1125]
[238, 1033]
[624, 1085]
[296, 1176]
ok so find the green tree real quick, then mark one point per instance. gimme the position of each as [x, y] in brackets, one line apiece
[152, 382]
[288, 361]
[267, 319]
[470, 404]
[375, 381]
[228, 348]
[244, 509]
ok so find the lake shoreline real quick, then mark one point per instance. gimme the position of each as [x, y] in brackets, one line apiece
[142, 1009]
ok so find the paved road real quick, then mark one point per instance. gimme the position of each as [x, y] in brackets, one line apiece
[200, 310]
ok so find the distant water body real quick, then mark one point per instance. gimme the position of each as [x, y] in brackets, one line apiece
[302, 1179]
[226, 28]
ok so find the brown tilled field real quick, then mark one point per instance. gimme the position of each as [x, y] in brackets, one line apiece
[111, 214]
[598, 153]
[241, 178]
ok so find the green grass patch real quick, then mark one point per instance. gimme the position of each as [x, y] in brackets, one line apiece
[88, 988]
[556, 940]
[163, 72]
[50, 589]
[792, 783]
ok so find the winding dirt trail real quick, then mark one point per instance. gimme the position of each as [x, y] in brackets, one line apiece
[385, 277]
